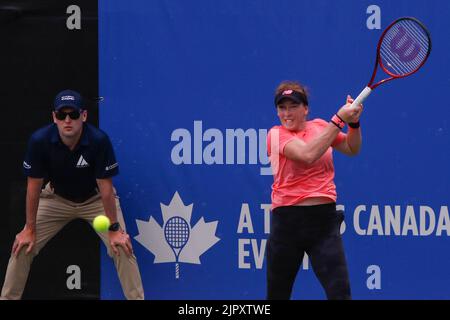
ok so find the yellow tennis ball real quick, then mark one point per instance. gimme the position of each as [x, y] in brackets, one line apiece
[101, 223]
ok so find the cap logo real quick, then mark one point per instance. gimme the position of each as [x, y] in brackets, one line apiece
[287, 92]
[67, 98]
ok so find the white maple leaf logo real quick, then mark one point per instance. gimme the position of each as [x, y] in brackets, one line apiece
[176, 241]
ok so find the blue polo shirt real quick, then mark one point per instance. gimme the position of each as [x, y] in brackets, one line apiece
[73, 173]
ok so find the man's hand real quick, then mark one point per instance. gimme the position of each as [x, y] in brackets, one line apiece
[26, 237]
[120, 239]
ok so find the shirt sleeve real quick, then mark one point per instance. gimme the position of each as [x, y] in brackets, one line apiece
[106, 163]
[277, 138]
[34, 162]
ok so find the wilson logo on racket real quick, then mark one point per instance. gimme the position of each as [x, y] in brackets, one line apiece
[406, 48]
[176, 241]
[402, 50]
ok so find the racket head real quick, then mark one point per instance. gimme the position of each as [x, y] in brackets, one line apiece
[176, 232]
[404, 47]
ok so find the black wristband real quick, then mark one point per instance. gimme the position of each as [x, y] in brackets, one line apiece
[354, 125]
[114, 227]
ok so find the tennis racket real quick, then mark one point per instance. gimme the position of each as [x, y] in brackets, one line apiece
[402, 50]
[176, 232]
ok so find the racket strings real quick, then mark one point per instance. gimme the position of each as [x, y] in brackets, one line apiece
[404, 48]
[176, 232]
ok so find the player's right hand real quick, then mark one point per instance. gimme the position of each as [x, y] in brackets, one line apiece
[26, 237]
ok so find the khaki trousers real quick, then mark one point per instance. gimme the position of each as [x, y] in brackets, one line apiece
[53, 214]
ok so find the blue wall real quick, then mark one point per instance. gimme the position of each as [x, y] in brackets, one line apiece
[189, 74]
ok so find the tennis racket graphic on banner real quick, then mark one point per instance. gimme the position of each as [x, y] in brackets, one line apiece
[402, 50]
[177, 233]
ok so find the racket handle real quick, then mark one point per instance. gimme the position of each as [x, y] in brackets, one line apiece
[362, 96]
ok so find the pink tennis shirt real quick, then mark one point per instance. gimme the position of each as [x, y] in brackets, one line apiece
[297, 181]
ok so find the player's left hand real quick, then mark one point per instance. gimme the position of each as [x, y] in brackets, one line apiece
[120, 239]
[355, 113]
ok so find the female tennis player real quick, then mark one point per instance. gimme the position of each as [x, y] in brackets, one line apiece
[304, 217]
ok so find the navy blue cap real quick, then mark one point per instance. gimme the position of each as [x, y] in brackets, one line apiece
[68, 98]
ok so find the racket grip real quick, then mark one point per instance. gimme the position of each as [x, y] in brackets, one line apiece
[362, 96]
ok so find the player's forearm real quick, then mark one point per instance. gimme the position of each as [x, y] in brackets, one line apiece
[108, 198]
[32, 202]
[354, 140]
[109, 204]
[318, 146]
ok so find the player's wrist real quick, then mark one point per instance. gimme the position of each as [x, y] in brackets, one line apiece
[338, 121]
[354, 125]
[30, 227]
[114, 227]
